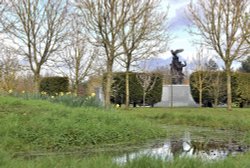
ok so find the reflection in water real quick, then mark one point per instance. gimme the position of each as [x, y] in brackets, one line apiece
[184, 148]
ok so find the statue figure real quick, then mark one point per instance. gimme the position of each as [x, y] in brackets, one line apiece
[177, 67]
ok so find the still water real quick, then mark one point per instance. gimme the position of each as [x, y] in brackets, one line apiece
[208, 150]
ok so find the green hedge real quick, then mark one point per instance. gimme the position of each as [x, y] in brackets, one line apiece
[240, 86]
[135, 89]
[243, 80]
[54, 85]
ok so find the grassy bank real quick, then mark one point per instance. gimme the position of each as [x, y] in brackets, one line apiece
[33, 125]
[41, 127]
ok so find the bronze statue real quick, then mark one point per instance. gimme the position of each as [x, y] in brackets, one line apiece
[176, 68]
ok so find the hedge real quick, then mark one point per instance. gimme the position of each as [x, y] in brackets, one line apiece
[240, 86]
[135, 89]
[54, 85]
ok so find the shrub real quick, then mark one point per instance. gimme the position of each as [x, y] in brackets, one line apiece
[243, 80]
[240, 87]
[135, 89]
[54, 85]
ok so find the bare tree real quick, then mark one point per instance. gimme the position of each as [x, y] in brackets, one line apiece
[216, 89]
[202, 76]
[147, 81]
[246, 26]
[9, 68]
[36, 28]
[78, 56]
[103, 20]
[142, 35]
[218, 22]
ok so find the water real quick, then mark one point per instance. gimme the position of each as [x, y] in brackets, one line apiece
[195, 142]
[207, 150]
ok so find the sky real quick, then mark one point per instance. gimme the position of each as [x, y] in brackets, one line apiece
[181, 38]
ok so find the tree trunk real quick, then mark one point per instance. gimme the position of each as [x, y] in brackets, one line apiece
[37, 81]
[229, 89]
[108, 84]
[200, 98]
[76, 87]
[200, 90]
[127, 89]
[216, 90]
[77, 77]
[144, 98]
[215, 101]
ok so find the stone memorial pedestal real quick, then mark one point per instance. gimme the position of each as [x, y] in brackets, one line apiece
[176, 96]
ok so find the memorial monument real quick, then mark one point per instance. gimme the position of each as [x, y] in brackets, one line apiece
[176, 94]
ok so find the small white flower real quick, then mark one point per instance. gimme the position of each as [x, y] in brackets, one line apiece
[10, 91]
[92, 94]
[43, 93]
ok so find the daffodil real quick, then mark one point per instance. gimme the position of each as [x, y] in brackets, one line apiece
[92, 94]
[43, 93]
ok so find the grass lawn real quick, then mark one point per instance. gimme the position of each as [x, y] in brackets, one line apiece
[33, 126]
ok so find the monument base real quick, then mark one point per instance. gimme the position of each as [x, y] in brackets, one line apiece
[176, 96]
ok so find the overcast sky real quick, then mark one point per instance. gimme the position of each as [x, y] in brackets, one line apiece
[178, 23]
[178, 29]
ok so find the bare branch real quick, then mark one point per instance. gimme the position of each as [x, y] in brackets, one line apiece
[36, 28]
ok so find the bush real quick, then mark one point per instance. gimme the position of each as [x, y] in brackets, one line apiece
[240, 87]
[243, 80]
[135, 89]
[54, 85]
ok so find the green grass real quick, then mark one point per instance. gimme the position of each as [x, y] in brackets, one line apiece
[43, 128]
[107, 162]
[238, 118]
